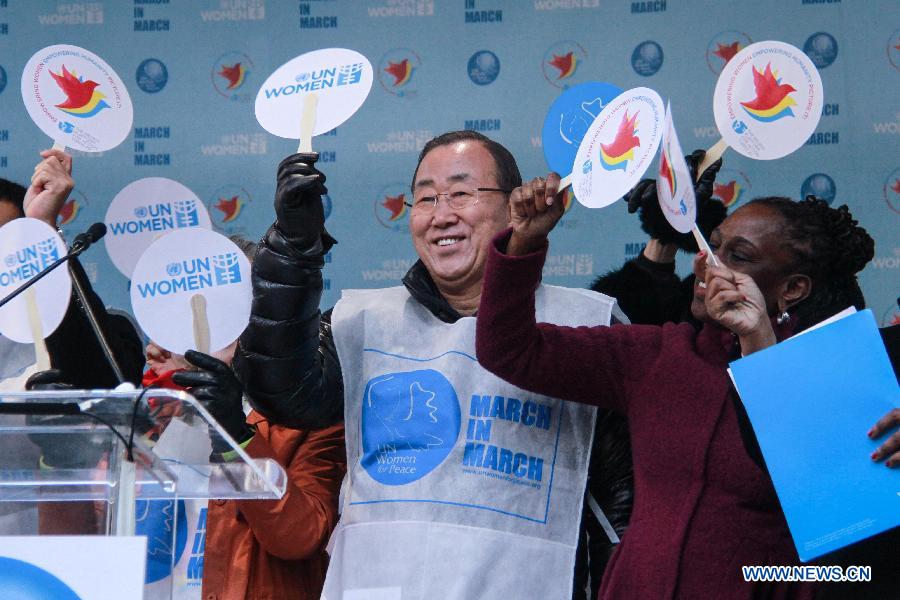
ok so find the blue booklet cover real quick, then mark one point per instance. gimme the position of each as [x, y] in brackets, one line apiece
[811, 400]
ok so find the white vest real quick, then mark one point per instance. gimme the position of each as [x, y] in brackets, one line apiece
[459, 484]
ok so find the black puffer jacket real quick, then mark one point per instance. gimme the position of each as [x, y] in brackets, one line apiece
[288, 364]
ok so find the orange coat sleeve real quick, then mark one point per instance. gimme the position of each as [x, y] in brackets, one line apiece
[298, 525]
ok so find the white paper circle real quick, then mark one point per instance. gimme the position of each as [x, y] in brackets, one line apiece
[176, 267]
[618, 147]
[76, 98]
[28, 246]
[342, 79]
[768, 100]
[674, 188]
[145, 210]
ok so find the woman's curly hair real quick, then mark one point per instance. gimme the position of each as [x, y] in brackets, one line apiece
[830, 248]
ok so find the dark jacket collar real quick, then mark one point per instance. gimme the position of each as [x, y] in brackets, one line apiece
[421, 287]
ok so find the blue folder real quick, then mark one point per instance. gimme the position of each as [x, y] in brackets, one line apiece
[811, 400]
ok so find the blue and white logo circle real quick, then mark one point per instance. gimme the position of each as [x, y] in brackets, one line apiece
[156, 519]
[647, 58]
[569, 118]
[152, 75]
[25, 581]
[484, 67]
[410, 423]
[821, 48]
[819, 185]
[3, 79]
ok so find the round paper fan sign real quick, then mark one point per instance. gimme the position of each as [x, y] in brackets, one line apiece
[176, 268]
[28, 246]
[76, 98]
[143, 211]
[569, 118]
[768, 100]
[341, 78]
[618, 147]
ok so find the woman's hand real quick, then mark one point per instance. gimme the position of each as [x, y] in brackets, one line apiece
[734, 301]
[534, 211]
[890, 449]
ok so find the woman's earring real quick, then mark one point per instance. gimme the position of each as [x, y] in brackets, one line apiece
[783, 318]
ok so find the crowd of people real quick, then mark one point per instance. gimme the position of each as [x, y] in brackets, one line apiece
[657, 486]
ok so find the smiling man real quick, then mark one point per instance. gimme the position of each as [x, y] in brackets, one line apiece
[459, 485]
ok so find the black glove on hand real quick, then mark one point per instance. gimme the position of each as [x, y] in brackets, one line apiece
[216, 386]
[709, 212]
[298, 199]
[63, 450]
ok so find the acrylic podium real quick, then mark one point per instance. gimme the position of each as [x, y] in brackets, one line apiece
[112, 449]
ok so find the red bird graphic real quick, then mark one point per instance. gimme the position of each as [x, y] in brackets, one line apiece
[727, 52]
[665, 171]
[564, 63]
[625, 139]
[229, 208]
[398, 70]
[726, 192]
[396, 205]
[78, 93]
[233, 74]
[68, 212]
[896, 186]
[768, 91]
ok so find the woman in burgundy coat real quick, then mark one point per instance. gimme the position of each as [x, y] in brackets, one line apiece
[703, 506]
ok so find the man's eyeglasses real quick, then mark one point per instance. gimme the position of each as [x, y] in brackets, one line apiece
[456, 199]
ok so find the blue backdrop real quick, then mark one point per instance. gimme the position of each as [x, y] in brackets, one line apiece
[480, 64]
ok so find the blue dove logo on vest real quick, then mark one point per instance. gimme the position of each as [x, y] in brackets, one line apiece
[194, 274]
[3, 79]
[25, 263]
[647, 58]
[410, 423]
[821, 48]
[152, 75]
[483, 67]
[24, 581]
[157, 519]
[819, 185]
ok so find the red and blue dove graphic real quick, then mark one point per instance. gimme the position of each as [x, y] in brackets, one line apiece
[729, 193]
[401, 71]
[230, 208]
[567, 63]
[395, 204]
[616, 154]
[666, 172]
[727, 51]
[69, 211]
[773, 100]
[234, 74]
[83, 99]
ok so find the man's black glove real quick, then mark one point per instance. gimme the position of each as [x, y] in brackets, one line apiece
[64, 450]
[216, 386]
[709, 212]
[298, 199]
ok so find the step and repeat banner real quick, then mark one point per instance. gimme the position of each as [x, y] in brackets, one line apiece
[193, 69]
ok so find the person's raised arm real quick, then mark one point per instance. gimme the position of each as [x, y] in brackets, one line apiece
[286, 357]
[73, 347]
[595, 365]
